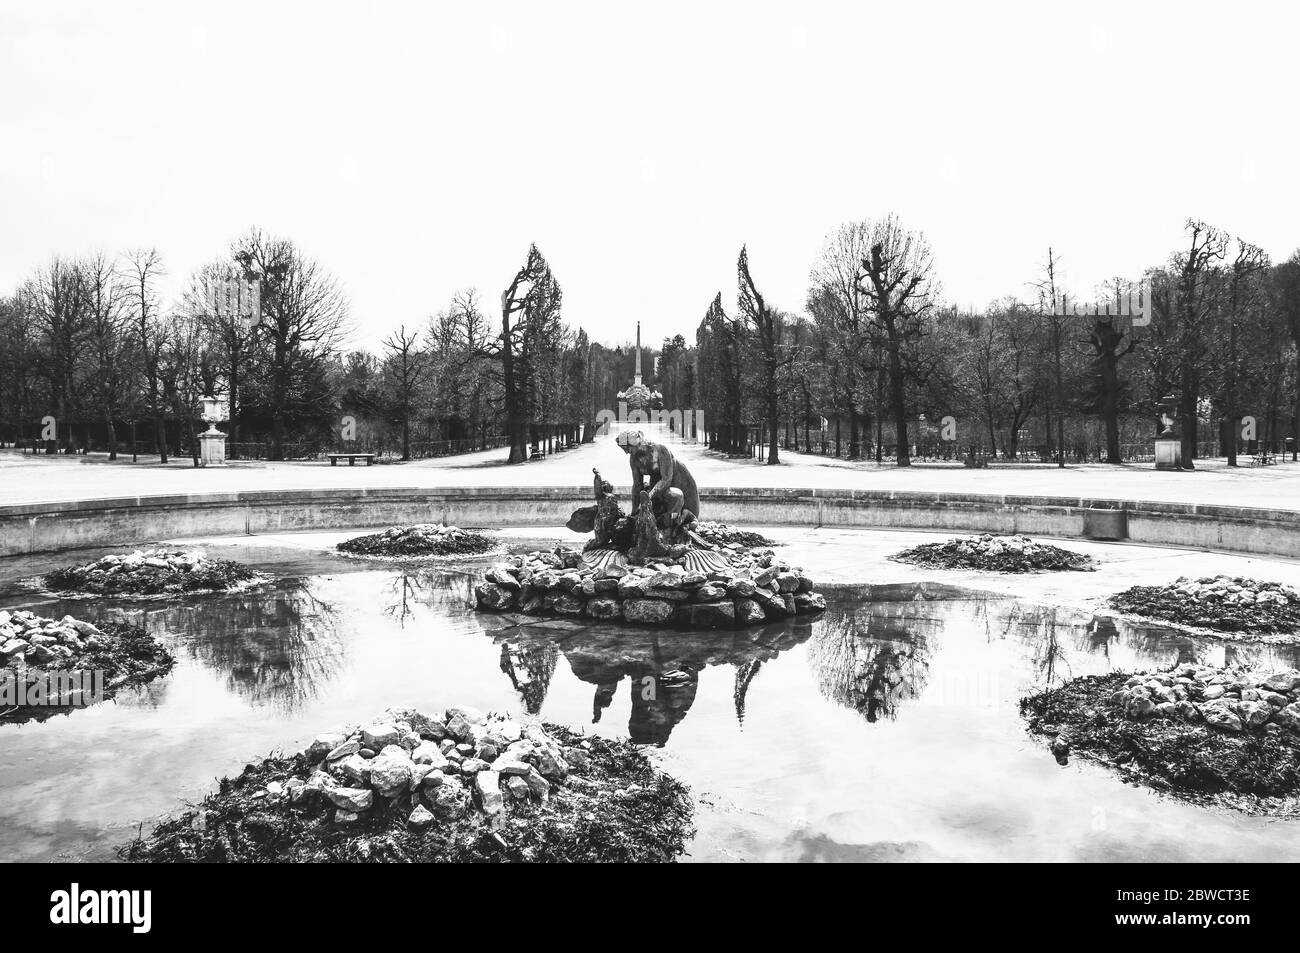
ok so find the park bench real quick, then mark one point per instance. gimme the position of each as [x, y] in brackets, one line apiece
[1263, 459]
[351, 458]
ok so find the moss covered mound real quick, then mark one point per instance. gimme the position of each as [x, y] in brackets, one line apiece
[610, 805]
[152, 572]
[425, 539]
[1178, 752]
[1219, 603]
[996, 554]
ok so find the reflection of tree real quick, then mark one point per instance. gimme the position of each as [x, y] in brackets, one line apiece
[401, 592]
[530, 669]
[276, 646]
[662, 666]
[429, 587]
[1064, 643]
[873, 658]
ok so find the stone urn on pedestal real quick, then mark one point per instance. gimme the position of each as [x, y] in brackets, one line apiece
[212, 442]
[1169, 444]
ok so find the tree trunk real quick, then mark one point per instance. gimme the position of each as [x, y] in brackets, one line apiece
[773, 425]
[898, 406]
[1230, 395]
[234, 398]
[160, 437]
[1295, 420]
[1187, 411]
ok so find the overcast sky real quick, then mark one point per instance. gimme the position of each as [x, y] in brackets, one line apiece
[417, 149]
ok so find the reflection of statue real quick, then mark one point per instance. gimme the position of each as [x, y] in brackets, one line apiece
[673, 494]
[663, 667]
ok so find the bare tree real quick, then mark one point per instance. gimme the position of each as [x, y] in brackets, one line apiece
[1243, 292]
[1285, 288]
[896, 277]
[18, 376]
[56, 298]
[141, 270]
[719, 343]
[1110, 340]
[109, 325]
[1048, 296]
[534, 295]
[1195, 304]
[764, 325]
[405, 365]
[838, 304]
[304, 317]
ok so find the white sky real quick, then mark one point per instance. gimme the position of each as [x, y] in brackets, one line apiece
[416, 149]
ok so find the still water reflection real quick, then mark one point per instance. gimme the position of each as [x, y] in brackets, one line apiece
[887, 729]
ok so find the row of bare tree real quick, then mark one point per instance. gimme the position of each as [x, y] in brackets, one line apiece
[876, 350]
[93, 346]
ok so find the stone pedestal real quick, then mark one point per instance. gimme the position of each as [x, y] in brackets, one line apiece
[1169, 453]
[212, 448]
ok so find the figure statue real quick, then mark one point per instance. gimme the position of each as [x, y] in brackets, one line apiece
[608, 512]
[606, 519]
[648, 543]
[673, 495]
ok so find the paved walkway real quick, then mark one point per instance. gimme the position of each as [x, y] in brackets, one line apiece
[30, 479]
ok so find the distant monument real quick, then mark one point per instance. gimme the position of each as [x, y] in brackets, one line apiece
[1169, 443]
[639, 396]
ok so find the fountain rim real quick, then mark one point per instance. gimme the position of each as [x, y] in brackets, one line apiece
[55, 525]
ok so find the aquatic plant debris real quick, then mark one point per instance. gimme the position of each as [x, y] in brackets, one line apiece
[422, 539]
[993, 553]
[153, 573]
[729, 537]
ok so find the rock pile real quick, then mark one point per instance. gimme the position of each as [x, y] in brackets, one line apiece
[28, 640]
[728, 537]
[1222, 603]
[420, 540]
[996, 554]
[757, 587]
[457, 785]
[152, 572]
[447, 765]
[35, 649]
[1225, 735]
[1225, 699]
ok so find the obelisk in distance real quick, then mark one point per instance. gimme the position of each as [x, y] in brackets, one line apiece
[637, 379]
[638, 397]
